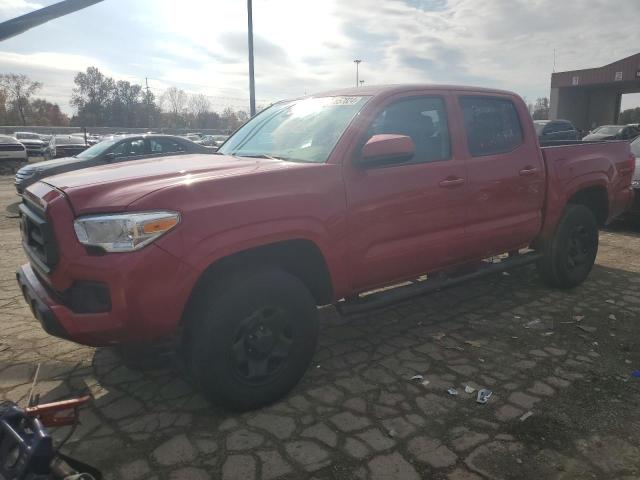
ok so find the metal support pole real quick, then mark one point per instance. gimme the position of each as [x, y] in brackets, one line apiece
[252, 84]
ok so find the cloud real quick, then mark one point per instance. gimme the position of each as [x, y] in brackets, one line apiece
[303, 46]
[11, 8]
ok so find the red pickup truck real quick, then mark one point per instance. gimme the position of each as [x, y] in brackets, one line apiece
[315, 201]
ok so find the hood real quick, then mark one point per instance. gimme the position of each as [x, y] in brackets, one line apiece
[113, 187]
[53, 164]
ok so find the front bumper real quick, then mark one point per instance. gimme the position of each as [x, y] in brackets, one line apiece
[39, 301]
[96, 298]
[145, 297]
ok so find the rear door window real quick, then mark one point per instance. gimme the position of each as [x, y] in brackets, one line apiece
[165, 145]
[492, 125]
[129, 148]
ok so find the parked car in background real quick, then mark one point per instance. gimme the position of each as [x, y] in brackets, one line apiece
[111, 150]
[311, 202]
[12, 149]
[64, 146]
[614, 132]
[214, 140]
[32, 142]
[194, 138]
[555, 130]
[635, 149]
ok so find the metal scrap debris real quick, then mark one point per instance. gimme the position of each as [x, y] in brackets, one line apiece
[469, 389]
[417, 377]
[526, 415]
[483, 396]
[452, 391]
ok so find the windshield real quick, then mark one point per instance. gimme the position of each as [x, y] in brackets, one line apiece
[608, 130]
[69, 140]
[27, 136]
[96, 150]
[301, 130]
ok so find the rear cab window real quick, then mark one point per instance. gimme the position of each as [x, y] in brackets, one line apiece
[492, 125]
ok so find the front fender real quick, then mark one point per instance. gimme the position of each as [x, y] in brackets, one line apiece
[208, 250]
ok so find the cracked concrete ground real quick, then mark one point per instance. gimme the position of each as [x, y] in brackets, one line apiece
[564, 356]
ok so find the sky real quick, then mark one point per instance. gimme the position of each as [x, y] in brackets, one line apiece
[305, 46]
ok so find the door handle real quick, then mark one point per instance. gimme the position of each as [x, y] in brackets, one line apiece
[528, 171]
[451, 182]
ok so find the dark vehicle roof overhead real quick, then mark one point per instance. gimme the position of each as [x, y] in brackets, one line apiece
[391, 89]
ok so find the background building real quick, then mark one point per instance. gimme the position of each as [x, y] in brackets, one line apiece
[591, 97]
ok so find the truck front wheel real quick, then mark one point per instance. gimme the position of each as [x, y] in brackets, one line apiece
[569, 256]
[251, 342]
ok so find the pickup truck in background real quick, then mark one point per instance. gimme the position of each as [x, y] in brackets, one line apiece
[314, 201]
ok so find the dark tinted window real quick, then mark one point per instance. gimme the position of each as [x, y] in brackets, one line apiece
[130, 148]
[424, 119]
[553, 127]
[165, 145]
[492, 125]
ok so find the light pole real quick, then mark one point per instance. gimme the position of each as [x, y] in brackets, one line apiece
[252, 82]
[357, 62]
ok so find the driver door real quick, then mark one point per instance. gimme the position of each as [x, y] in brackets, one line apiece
[409, 218]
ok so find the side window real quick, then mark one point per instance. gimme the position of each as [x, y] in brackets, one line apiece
[566, 127]
[424, 119]
[553, 127]
[492, 125]
[121, 149]
[165, 145]
[130, 148]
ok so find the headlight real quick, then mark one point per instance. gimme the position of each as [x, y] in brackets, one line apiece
[124, 232]
[635, 183]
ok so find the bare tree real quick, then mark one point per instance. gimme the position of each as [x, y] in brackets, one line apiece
[175, 101]
[199, 104]
[19, 89]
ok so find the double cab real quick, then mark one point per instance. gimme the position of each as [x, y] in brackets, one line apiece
[314, 201]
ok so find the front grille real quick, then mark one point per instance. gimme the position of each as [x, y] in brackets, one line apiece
[11, 147]
[37, 237]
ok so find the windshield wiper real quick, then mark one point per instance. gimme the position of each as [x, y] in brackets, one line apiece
[261, 155]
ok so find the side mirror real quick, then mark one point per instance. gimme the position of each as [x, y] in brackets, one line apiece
[386, 149]
[110, 157]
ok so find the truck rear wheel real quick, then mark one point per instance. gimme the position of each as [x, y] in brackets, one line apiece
[251, 343]
[569, 256]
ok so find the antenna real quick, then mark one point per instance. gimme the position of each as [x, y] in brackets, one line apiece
[554, 60]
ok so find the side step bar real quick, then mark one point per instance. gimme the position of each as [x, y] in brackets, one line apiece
[415, 289]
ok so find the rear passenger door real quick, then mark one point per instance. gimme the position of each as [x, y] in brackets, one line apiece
[505, 174]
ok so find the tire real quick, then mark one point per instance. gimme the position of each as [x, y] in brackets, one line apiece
[569, 256]
[238, 364]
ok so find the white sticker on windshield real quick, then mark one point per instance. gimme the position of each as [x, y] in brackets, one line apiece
[344, 100]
